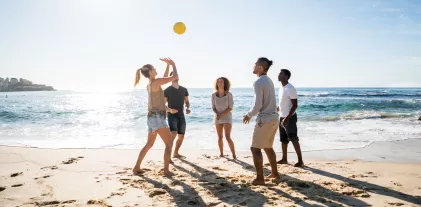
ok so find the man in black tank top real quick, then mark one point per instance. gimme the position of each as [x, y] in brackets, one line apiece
[177, 96]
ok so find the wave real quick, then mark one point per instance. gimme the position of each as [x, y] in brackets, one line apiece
[361, 115]
[360, 95]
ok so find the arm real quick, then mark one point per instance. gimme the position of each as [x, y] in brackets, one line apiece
[167, 70]
[213, 105]
[230, 105]
[293, 108]
[258, 101]
[294, 100]
[168, 109]
[187, 102]
[165, 80]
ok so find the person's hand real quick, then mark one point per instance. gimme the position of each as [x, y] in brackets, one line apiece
[277, 108]
[188, 111]
[284, 122]
[218, 117]
[173, 111]
[246, 119]
[167, 60]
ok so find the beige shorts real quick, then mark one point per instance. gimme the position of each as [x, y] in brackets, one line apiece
[263, 136]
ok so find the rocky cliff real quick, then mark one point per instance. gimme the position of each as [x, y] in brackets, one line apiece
[14, 84]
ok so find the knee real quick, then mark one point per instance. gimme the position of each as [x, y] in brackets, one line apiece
[220, 138]
[148, 145]
[255, 151]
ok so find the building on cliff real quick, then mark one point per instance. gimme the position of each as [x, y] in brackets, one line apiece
[21, 84]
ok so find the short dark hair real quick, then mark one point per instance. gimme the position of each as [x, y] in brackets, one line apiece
[227, 84]
[286, 72]
[264, 62]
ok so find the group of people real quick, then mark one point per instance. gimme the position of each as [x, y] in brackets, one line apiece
[169, 104]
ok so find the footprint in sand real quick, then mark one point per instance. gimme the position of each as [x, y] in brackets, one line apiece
[100, 202]
[206, 156]
[16, 174]
[396, 183]
[50, 167]
[395, 204]
[45, 176]
[156, 191]
[17, 185]
[72, 160]
[116, 194]
[218, 168]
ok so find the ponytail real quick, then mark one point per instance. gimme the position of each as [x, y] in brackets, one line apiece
[137, 80]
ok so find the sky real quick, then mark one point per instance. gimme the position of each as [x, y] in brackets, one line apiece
[99, 44]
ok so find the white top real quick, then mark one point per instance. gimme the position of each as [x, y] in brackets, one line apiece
[286, 93]
[219, 105]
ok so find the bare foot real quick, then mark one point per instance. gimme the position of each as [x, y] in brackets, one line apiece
[258, 182]
[166, 173]
[179, 156]
[282, 162]
[139, 171]
[299, 164]
[275, 176]
[221, 155]
[234, 157]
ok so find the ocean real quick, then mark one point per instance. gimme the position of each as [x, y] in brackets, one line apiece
[328, 118]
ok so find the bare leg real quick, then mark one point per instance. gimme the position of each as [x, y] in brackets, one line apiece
[258, 164]
[227, 130]
[272, 160]
[178, 145]
[219, 129]
[284, 159]
[142, 153]
[165, 134]
[173, 136]
[298, 151]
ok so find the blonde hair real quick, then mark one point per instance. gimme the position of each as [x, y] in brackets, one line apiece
[145, 72]
[137, 79]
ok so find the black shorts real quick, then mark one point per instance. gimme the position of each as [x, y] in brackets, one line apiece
[289, 133]
[177, 123]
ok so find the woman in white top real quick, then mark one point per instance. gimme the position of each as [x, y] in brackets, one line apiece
[222, 104]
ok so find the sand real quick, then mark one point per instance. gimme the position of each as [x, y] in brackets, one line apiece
[102, 177]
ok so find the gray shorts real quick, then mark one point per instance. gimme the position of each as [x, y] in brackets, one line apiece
[289, 133]
[156, 120]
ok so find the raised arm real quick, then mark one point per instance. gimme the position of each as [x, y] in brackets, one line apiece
[167, 71]
[165, 80]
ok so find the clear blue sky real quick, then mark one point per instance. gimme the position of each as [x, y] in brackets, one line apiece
[79, 44]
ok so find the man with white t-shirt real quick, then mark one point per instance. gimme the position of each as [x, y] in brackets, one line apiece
[288, 118]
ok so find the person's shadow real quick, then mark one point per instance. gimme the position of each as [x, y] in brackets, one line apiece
[180, 199]
[224, 190]
[312, 191]
[369, 186]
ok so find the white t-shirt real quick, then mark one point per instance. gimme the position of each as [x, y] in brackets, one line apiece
[286, 93]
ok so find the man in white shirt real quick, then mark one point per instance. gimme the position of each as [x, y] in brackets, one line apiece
[288, 118]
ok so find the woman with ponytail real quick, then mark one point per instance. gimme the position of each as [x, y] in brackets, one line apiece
[156, 113]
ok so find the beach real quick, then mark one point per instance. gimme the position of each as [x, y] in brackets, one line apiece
[371, 176]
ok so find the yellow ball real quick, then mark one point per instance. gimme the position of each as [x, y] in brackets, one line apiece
[179, 28]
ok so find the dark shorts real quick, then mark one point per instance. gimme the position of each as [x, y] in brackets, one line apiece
[177, 123]
[289, 133]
